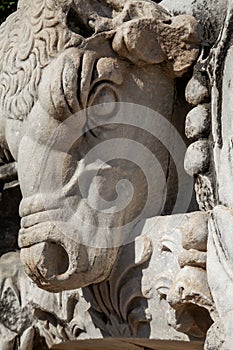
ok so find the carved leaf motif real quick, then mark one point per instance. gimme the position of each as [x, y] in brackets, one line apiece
[118, 305]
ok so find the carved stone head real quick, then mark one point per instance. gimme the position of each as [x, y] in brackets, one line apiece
[66, 68]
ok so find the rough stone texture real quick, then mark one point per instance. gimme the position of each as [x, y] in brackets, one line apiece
[198, 122]
[196, 92]
[210, 13]
[197, 158]
[67, 68]
[214, 185]
[130, 304]
[94, 63]
[32, 318]
[62, 57]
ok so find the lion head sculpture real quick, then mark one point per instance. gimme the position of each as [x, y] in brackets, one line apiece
[63, 61]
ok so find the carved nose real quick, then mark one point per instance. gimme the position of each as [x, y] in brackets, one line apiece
[46, 260]
[56, 266]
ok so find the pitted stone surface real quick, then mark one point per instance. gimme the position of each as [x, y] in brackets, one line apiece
[150, 278]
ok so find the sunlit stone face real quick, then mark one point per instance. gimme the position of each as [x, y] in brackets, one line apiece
[95, 140]
[94, 175]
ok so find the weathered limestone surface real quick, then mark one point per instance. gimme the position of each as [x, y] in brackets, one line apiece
[103, 65]
[33, 316]
[98, 100]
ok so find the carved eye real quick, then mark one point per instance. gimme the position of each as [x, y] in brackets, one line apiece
[103, 103]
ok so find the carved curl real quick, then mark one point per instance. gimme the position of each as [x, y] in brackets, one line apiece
[29, 39]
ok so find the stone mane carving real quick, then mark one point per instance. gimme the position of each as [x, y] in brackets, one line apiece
[37, 35]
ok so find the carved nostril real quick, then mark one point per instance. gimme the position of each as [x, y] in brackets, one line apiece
[50, 259]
